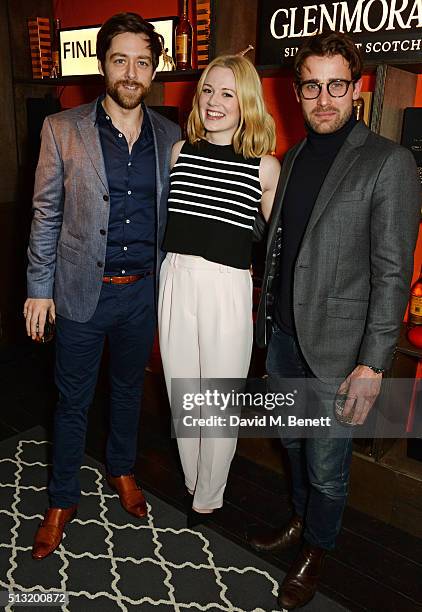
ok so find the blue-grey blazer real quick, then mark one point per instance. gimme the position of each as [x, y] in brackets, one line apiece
[71, 205]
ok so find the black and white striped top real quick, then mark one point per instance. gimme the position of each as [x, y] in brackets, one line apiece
[213, 201]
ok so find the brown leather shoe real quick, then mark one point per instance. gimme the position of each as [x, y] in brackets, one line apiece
[50, 532]
[300, 584]
[131, 497]
[276, 539]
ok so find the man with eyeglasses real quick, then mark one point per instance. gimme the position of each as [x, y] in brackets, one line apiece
[339, 263]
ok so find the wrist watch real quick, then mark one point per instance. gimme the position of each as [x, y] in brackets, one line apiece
[374, 369]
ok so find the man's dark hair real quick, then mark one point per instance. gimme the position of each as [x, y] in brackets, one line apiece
[128, 22]
[329, 43]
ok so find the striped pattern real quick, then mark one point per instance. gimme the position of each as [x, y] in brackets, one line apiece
[203, 15]
[219, 189]
[213, 201]
[40, 45]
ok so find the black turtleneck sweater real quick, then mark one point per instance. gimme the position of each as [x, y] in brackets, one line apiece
[308, 174]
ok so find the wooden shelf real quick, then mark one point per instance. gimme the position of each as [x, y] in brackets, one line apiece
[186, 75]
[77, 80]
[161, 77]
[178, 75]
[396, 459]
[175, 75]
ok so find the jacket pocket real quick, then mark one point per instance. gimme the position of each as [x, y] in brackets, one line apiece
[69, 254]
[346, 309]
[76, 236]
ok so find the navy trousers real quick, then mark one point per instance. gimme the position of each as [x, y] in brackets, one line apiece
[320, 466]
[125, 314]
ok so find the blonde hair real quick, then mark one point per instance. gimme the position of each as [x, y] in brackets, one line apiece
[255, 135]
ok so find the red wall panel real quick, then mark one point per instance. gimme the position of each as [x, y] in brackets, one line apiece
[418, 251]
[79, 13]
[418, 97]
[180, 94]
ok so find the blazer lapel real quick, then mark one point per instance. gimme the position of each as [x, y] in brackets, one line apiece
[161, 158]
[344, 160]
[91, 139]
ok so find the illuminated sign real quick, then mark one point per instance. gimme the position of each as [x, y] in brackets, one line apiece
[385, 30]
[77, 47]
[77, 51]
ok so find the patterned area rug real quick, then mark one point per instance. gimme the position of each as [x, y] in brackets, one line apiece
[108, 562]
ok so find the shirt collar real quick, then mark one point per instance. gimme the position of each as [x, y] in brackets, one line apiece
[101, 115]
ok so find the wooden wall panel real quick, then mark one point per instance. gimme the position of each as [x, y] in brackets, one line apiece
[407, 508]
[237, 24]
[8, 154]
[395, 91]
[22, 92]
[19, 12]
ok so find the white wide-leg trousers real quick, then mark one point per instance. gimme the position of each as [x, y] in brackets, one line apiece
[205, 330]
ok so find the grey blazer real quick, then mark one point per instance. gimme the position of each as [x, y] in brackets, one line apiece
[71, 206]
[352, 273]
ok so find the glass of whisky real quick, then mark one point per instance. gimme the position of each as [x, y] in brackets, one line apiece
[48, 335]
[339, 404]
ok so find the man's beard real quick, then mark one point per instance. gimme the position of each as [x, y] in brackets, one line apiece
[329, 127]
[123, 97]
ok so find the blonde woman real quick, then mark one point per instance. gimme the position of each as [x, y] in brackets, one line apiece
[220, 176]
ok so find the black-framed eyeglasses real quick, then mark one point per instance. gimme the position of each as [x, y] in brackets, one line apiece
[310, 90]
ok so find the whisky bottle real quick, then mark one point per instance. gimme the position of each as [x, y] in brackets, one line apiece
[184, 40]
[55, 51]
[415, 307]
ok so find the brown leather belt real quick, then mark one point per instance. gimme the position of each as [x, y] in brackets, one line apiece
[125, 280]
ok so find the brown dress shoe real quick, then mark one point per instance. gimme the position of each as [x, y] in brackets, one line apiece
[267, 540]
[131, 497]
[50, 532]
[300, 584]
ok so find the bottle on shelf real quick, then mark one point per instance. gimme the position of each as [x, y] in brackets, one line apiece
[415, 306]
[359, 108]
[55, 50]
[184, 40]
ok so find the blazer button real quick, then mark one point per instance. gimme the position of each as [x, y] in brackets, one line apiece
[102, 232]
[106, 198]
[100, 264]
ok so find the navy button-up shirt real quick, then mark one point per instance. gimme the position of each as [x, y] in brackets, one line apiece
[131, 180]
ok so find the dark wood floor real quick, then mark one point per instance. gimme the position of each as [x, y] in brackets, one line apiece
[376, 567]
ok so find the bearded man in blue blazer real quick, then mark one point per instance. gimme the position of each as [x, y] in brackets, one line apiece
[100, 201]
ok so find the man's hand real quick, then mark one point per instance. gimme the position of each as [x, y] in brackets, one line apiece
[35, 311]
[362, 387]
